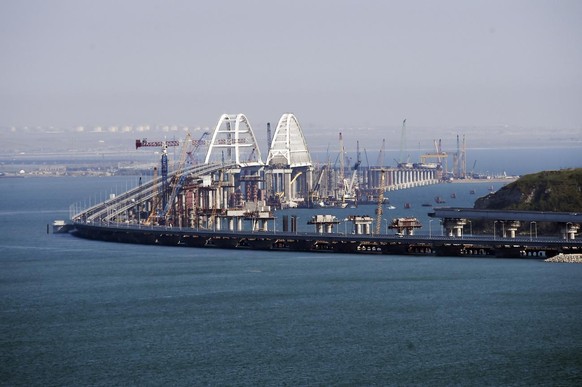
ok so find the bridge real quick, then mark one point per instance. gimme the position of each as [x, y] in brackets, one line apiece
[454, 219]
[235, 182]
[210, 204]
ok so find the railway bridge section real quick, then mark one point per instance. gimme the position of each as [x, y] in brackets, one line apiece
[507, 222]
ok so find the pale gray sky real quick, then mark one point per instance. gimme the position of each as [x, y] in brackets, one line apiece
[333, 63]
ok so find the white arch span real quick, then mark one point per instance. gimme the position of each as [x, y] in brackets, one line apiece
[289, 147]
[233, 140]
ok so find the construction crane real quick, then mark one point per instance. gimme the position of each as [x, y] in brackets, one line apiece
[269, 137]
[460, 160]
[164, 163]
[402, 142]
[439, 155]
[317, 185]
[380, 162]
[341, 182]
[217, 202]
[367, 160]
[379, 209]
[196, 144]
[178, 180]
[155, 200]
[350, 187]
[473, 168]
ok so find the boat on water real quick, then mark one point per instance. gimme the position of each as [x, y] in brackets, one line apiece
[60, 227]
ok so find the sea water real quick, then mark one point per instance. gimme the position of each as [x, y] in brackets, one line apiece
[80, 312]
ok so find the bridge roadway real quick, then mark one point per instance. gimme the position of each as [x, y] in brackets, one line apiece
[454, 219]
[482, 246]
[110, 208]
[506, 215]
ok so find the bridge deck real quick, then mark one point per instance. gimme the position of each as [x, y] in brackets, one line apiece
[526, 216]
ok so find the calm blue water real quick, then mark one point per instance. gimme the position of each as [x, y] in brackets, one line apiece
[77, 312]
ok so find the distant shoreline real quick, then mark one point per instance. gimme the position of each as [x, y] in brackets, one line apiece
[492, 180]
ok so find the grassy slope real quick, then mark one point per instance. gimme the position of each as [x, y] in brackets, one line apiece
[559, 191]
[543, 191]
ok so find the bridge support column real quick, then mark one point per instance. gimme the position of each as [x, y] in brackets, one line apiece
[362, 224]
[570, 230]
[287, 185]
[454, 227]
[512, 227]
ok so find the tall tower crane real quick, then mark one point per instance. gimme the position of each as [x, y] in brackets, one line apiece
[269, 136]
[178, 179]
[341, 182]
[402, 142]
[196, 144]
[460, 160]
[438, 155]
[350, 188]
[380, 162]
[163, 163]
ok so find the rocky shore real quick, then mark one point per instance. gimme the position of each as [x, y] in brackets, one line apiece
[565, 258]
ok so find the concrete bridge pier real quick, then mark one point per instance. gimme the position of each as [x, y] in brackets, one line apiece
[235, 223]
[512, 227]
[454, 227]
[259, 224]
[234, 218]
[323, 223]
[570, 230]
[362, 224]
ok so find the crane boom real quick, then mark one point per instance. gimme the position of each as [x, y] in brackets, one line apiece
[163, 191]
[145, 142]
[342, 163]
[380, 162]
[402, 141]
[350, 187]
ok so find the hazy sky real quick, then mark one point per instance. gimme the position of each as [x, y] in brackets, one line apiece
[332, 63]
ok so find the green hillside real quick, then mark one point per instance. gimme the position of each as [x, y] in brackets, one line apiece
[559, 191]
